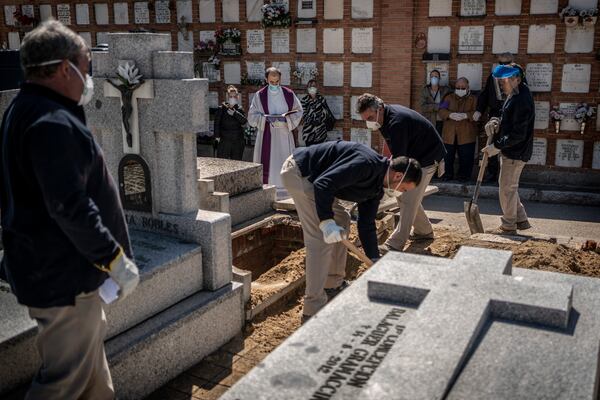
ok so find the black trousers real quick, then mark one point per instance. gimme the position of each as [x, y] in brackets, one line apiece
[231, 147]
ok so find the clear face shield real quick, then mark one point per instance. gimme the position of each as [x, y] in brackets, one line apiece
[506, 87]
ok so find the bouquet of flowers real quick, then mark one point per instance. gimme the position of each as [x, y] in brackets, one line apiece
[214, 60]
[22, 19]
[556, 115]
[583, 112]
[206, 47]
[303, 75]
[589, 17]
[276, 15]
[233, 35]
[570, 16]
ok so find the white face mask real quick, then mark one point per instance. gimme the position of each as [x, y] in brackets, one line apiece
[461, 92]
[312, 90]
[374, 125]
[88, 87]
[233, 101]
[435, 80]
[390, 191]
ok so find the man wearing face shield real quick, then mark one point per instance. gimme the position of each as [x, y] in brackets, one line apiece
[408, 134]
[514, 142]
[316, 177]
[64, 231]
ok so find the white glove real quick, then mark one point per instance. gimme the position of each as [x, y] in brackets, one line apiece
[125, 273]
[463, 116]
[476, 116]
[230, 111]
[492, 126]
[491, 150]
[332, 232]
[454, 116]
[218, 140]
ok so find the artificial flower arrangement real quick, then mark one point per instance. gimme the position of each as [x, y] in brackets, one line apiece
[303, 75]
[206, 47]
[276, 15]
[22, 19]
[589, 17]
[583, 112]
[229, 40]
[557, 115]
[570, 15]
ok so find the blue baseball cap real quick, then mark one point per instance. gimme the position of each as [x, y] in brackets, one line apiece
[505, 71]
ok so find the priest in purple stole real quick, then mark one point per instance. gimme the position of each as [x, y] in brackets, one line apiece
[274, 141]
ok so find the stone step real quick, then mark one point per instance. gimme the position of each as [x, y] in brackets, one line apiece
[171, 270]
[156, 351]
[249, 205]
[230, 176]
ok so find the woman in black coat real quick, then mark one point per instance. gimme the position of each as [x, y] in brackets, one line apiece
[229, 127]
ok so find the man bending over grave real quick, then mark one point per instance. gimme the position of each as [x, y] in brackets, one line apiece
[409, 134]
[316, 177]
[63, 227]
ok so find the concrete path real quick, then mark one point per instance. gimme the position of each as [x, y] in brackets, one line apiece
[578, 222]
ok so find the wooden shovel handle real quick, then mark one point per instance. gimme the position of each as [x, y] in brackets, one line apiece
[363, 257]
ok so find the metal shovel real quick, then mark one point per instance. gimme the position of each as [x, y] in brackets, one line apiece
[471, 207]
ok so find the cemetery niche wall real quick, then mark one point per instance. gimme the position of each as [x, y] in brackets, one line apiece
[186, 300]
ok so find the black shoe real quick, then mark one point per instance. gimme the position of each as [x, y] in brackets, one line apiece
[523, 225]
[332, 292]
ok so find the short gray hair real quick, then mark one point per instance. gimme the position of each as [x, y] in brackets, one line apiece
[366, 101]
[50, 41]
[274, 70]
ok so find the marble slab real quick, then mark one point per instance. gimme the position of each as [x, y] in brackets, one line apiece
[101, 12]
[579, 39]
[333, 40]
[255, 69]
[539, 76]
[306, 40]
[362, 9]
[473, 72]
[63, 13]
[14, 41]
[540, 149]
[253, 10]
[335, 135]
[541, 39]
[569, 153]
[141, 12]
[333, 74]
[355, 116]
[280, 41]
[569, 123]
[307, 9]
[596, 156]
[543, 7]
[9, 19]
[207, 11]
[576, 78]
[505, 39]
[440, 8]
[121, 13]
[508, 7]
[438, 39]
[255, 39]
[162, 12]
[232, 73]
[336, 105]
[87, 38]
[285, 68]
[333, 9]
[471, 39]
[184, 9]
[361, 74]
[361, 135]
[305, 67]
[362, 40]
[82, 14]
[542, 115]
[231, 10]
[472, 8]
[45, 12]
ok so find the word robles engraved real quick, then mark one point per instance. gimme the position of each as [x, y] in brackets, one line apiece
[356, 369]
[152, 223]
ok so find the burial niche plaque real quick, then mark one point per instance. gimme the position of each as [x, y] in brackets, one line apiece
[135, 186]
[472, 8]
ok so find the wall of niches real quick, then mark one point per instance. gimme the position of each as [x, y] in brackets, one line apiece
[562, 63]
[337, 37]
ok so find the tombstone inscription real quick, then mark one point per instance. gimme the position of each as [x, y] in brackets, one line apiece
[471, 39]
[280, 41]
[539, 77]
[141, 12]
[472, 8]
[333, 40]
[63, 13]
[415, 327]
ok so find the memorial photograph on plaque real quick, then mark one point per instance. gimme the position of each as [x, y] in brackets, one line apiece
[135, 186]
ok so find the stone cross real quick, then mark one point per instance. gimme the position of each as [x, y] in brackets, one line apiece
[455, 301]
[146, 91]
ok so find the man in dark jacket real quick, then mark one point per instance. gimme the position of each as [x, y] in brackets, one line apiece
[316, 177]
[514, 140]
[409, 134]
[64, 232]
[229, 127]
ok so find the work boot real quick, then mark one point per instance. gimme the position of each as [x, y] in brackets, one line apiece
[502, 231]
[332, 292]
[416, 237]
[523, 225]
[385, 248]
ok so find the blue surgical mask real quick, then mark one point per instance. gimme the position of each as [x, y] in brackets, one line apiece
[435, 80]
[273, 88]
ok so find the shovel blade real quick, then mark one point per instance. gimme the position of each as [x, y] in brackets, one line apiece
[473, 217]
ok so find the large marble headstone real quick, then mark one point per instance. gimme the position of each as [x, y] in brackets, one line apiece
[438, 39]
[361, 135]
[362, 9]
[539, 77]
[569, 153]
[101, 12]
[540, 148]
[541, 39]
[576, 78]
[231, 10]
[506, 39]
[440, 8]
[508, 7]
[596, 156]
[579, 39]
[361, 74]
[362, 40]
[333, 9]
[472, 8]
[82, 14]
[333, 40]
[255, 41]
[543, 7]
[306, 40]
[473, 72]
[207, 11]
[333, 73]
[280, 41]
[542, 115]
[471, 39]
[418, 327]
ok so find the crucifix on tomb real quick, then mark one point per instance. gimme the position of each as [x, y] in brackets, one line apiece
[183, 27]
[455, 302]
[129, 86]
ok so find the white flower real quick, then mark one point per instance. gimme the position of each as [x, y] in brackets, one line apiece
[129, 73]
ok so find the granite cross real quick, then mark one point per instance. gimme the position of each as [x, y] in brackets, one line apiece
[455, 300]
[146, 91]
